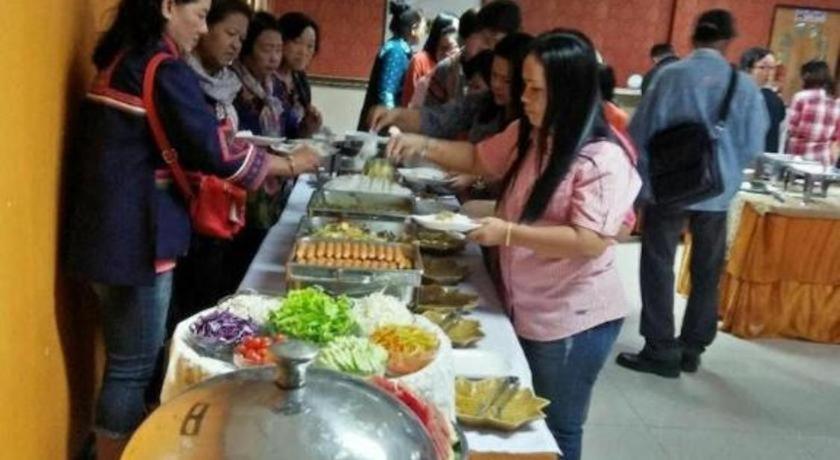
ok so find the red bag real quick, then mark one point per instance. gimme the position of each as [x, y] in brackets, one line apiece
[216, 206]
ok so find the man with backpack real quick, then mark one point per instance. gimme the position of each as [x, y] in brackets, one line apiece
[697, 128]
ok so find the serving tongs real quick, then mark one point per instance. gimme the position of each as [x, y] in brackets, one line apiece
[502, 395]
[451, 319]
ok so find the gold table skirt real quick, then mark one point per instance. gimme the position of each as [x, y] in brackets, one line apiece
[782, 277]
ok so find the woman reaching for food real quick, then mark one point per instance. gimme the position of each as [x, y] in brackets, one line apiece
[127, 224]
[567, 185]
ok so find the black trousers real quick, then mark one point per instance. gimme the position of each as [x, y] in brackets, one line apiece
[660, 236]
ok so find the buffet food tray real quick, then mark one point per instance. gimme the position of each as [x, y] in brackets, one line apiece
[396, 231]
[357, 281]
[360, 205]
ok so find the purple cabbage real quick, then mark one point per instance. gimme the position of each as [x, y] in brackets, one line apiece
[224, 327]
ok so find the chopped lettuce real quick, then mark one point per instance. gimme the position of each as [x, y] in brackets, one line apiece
[313, 315]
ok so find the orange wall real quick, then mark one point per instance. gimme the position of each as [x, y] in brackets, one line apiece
[346, 52]
[624, 30]
[46, 345]
[754, 20]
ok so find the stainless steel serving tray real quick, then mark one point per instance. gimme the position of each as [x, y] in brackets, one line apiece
[360, 205]
[400, 229]
[356, 281]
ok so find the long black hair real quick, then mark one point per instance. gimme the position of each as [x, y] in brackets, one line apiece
[403, 18]
[514, 48]
[443, 25]
[573, 115]
[137, 24]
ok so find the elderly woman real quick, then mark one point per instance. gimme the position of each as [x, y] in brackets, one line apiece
[301, 40]
[258, 104]
[209, 271]
[127, 224]
[263, 108]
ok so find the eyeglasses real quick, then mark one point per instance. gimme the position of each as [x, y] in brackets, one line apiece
[764, 67]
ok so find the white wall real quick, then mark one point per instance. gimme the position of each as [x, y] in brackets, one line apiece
[340, 106]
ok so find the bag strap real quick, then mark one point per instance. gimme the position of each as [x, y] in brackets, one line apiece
[727, 99]
[169, 154]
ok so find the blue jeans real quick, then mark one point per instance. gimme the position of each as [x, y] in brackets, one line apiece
[134, 325]
[564, 371]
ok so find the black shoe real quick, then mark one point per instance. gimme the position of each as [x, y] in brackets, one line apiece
[640, 362]
[690, 362]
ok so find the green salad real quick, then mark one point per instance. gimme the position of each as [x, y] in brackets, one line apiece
[353, 355]
[311, 314]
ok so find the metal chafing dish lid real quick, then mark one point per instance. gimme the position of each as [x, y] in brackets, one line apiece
[283, 412]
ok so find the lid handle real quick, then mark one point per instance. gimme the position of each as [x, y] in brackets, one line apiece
[293, 359]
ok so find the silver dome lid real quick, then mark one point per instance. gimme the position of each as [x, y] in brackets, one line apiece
[283, 412]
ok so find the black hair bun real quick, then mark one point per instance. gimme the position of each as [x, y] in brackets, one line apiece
[398, 7]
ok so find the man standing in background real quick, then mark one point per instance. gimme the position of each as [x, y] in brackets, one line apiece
[661, 54]
[692, 90]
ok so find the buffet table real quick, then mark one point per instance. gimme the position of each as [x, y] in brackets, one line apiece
[267, 275]
[782, 276]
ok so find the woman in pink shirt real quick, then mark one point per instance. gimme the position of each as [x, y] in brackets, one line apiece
[568, 186]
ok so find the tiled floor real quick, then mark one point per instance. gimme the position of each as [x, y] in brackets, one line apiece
[757, 399]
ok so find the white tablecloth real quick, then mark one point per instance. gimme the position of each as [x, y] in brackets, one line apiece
[267, 274]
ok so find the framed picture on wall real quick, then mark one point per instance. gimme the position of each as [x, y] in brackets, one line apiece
[800, 35]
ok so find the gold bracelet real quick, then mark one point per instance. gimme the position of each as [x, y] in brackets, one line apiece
[508, 232]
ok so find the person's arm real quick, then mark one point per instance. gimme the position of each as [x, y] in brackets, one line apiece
[419, 97]
[394, 64]
[556, 242]
[203, 143]
[454, 156]
[437, 92]
[758, 122]
[604, 189]
[302, 159]
[407, 120]
[796, 108]
[645, 122]
[490, 158]
[450, 120]
[311, 122]
[412, 76]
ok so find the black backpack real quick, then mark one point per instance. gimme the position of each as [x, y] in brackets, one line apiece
[683, 164]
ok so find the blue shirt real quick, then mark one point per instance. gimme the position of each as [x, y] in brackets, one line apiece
[693, 90]
[395, 55]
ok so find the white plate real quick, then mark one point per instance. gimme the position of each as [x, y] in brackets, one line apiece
[814, 169]
[262, 141]
[364, 135]
[288, 146]
[479, 363]
[424, 175]
[455, 223]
